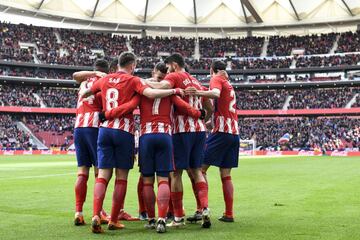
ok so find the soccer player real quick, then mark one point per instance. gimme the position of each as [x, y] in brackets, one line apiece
[188, 140]
[155, 150]
[222, 146]
[116, 139]
[86, 134]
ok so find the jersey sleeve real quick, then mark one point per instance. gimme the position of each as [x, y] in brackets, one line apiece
[139, 87]
[171, 79]
[216, 82]
[184, 108]
[96, 87]
[123, 109]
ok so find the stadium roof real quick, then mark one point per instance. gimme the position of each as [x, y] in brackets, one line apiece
[191, 13]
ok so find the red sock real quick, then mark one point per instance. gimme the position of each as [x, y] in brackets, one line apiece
[99, 195]
[228, 191]
[140, 190]
[202, 192]
[118, 198]
[80, 191]
[198, 203]
[163, 198]
[177, 198]
[149, 199]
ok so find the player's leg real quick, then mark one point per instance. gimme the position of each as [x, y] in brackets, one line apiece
[149, 199]
[198, 204]
[106, 163]
[124, 161]
[201, 186]
[182, 144]
[104, 217]
[230, 161]
[163, 197]
[140, 191]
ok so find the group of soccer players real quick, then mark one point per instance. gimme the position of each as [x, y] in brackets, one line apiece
[174, 113]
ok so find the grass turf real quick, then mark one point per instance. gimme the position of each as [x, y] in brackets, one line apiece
[275, 198]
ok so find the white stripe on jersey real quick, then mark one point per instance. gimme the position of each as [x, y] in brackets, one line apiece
[181, 124]
[116, 123]
[191, 124]
[221, 125]
[127, 125]
[228, 123]
[86, 119]
[201, 124]
[236, 127]
[161, 128]
[96, 119]
[77, 120]
[105, 124]
[148, 127]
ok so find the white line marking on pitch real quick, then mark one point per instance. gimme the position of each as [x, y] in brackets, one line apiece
[40, 176]
[37, 164]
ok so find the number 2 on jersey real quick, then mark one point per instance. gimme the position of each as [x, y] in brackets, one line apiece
[233, 101]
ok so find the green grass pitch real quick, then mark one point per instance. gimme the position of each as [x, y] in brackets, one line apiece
[275, 198]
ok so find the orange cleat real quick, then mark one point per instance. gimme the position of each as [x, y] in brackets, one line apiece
[104, 218]
[127, 217]
[115, 225]
[96, 225]
[79, 220]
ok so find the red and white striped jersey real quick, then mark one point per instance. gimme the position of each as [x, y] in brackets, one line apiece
[87, 110]
[225, 117]
[117, 89]
[156, 114]
[181, 122]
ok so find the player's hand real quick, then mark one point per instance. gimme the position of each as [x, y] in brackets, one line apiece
[223, 73]
[190, 91]
[102, 117]
[100, 74]
[179, 92]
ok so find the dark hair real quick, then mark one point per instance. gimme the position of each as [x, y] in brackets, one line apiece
[161, 67]
[126, 58]
[176, 58]
[113, 65]
[218, 65]
[102, 65]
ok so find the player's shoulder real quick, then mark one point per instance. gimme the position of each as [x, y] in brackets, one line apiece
[218, 78]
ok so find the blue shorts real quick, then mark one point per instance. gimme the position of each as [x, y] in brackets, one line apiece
[85, 140]
[222, 150]
[189, 149]
[115, 149]
[156, 154]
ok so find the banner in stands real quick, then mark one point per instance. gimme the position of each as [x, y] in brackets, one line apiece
[257, 153]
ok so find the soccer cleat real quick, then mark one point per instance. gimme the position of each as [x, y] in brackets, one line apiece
[151, 224]
[127, 217]
[79, 219]
[115, 225]
[225, 218]
[206, 223]
[169, 216]
[160, 226]
[176, 224]
[104, 218]
[196, 217]
[143, 216]
[96, 225]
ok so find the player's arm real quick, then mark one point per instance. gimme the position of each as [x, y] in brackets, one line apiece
[184, 108]
[208, 108]
[123, 109]
[81, 76]
[158, 85]
[95, 88]
[161, 93]
[213, 93]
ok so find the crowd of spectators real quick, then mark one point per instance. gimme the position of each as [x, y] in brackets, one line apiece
[312, 44]
[261, 63]
[18, 96]
[58, 97]
[241, 47]
[349, 42]
[321, 133]
[35, 73]
[260, 99]
[11, 137]
[328, 61]
[151, 46]
[53, 123]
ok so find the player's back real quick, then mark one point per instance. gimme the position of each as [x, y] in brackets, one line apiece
[225, 116]
[117, 89]
[155, 115]
[87, 109]
[184, 123]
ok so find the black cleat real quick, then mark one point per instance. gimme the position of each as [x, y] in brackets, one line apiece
[195, 218]
[226, 219]
[160, 226]
[206, 223]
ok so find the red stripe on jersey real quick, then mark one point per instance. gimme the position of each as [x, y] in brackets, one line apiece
[226, 125]
[125, 124]
[89, 119]
[155, 127]
[187, 124]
